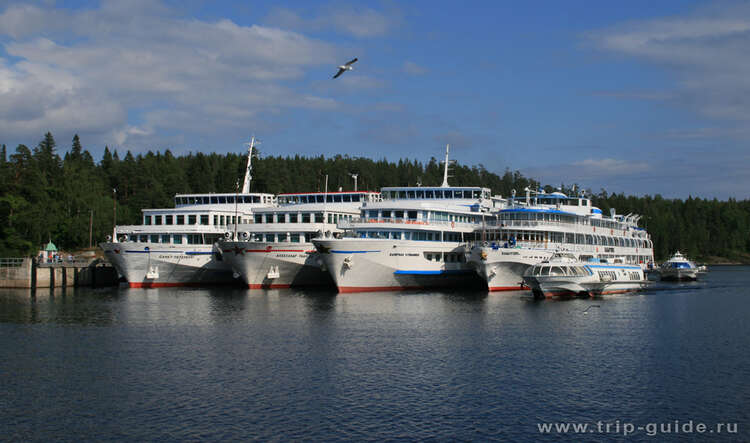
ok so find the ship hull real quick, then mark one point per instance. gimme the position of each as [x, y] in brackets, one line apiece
[542, 288]
[368, 265]
[263, 265]
[150, 265]
[679, 275]
[503, 268]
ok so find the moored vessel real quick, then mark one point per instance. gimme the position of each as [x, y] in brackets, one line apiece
[531, 228]
[413, 238]
[176, 246]
[565, 275]
[679, 268]
[276, 250]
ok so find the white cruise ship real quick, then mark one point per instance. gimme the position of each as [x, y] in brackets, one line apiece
[276, 250]
[414, 238]
[533, 228]
[176, 246]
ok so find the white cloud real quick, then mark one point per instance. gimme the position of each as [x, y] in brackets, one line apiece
[129, 71]
[706, 52]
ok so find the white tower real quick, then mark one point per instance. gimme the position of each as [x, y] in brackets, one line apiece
[447, 163]
[248, 170]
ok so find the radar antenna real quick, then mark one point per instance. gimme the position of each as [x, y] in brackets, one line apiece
[354, 176]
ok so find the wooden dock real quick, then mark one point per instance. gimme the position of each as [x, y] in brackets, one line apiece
[27, 273]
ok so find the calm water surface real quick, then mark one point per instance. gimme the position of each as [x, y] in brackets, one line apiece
[221, 364]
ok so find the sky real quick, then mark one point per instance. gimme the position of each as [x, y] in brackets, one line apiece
[636, 97]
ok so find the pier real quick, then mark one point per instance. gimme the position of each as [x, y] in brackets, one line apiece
[25, 272]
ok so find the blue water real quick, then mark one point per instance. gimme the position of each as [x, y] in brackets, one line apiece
[222, 364]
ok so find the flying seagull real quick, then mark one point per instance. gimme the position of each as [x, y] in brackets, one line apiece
[345, 67]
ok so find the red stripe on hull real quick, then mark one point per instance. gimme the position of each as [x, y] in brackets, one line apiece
[507, 288]
[352, 289]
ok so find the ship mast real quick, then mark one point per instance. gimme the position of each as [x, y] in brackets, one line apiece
[447, 162]
[248, 176]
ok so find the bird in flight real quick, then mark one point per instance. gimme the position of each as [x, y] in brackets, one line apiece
[345, 67]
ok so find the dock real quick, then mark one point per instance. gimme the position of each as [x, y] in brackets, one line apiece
[25, 272]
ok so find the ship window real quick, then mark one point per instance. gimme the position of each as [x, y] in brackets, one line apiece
[356, 197]
[556, 270]
[214, 199]
[319, 217]
[165, 238]
[346, 198]
[230, 199]
[222, 199]
[429, 194]
[398, 214]
[157, 219]
[154, 238]
[337, 198]
[167, 219]
[146, 219]
[412, 215]
[420, 194]
[294, 238]
[204, 219]
[177, 239]
[280, 218]
[191, 219]
[477, 194]
[410, 194]
[180, 219]
[448, 194]
[293, 218]
[305, 217]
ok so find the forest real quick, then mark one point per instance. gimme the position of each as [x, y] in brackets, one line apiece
[73, 200]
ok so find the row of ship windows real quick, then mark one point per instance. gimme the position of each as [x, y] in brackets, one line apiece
[386, 214]
[567, 237]
[221, 220]
[417, 235]
[222, 199]
[324, 198]
[174, 239]
[301, 217]
[435, 193]
[564, 218]
[202, 219]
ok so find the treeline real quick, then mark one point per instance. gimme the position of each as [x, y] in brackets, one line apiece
[47, 197]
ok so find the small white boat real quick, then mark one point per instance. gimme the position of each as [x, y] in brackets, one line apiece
[564, 275]
[679, 268]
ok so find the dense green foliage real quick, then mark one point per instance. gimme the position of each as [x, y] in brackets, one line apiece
[43, 196]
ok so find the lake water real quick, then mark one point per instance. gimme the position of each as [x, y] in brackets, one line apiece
[223, 364]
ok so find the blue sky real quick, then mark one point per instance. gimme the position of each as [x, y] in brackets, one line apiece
[634, 97]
